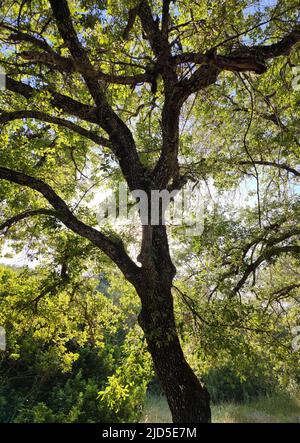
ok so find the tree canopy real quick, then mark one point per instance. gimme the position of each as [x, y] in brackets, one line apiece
[160, 94]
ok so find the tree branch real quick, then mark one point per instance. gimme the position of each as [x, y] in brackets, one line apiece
[282, 47]
[67, 104]
[113, 249]
[246, 58]
[119, 134]
[167, 164]
[165, 22]
[132, 14]
[150, 27]
[266, 255]
[70, 66]
[132, 171]
[15, 115]
[203, 77]
[17, 36]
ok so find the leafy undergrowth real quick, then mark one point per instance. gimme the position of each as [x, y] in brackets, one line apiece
[278, 408]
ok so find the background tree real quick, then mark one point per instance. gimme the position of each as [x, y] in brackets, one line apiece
[107, 88]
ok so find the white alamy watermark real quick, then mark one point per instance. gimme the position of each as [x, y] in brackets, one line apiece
[183, 207]
[2, 339]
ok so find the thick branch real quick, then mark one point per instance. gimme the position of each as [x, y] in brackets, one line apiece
[70, 66]
[128, 158]
[211, 64]
[15, 115]
[131, 19]
[150, 27]
[207, 74]
[113, 249]
[159, 43]
[282, 47]
[67, 104]
[165, 21]
[246, 58]
[119, 134]
[166, 167]
[203, 77]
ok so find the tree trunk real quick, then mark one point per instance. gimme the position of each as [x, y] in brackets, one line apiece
[187, 399]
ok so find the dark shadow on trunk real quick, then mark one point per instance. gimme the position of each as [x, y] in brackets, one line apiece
[187, 398]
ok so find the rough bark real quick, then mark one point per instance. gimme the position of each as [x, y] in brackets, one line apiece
[187, 399]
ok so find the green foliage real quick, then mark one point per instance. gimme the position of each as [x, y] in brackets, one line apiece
[227, 384]
[62, 351]
[127, 388]
[280, 407]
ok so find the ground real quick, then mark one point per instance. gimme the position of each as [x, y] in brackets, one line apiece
[278, 408]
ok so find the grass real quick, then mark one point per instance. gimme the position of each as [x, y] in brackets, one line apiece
[278, 408]
[156, 410]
